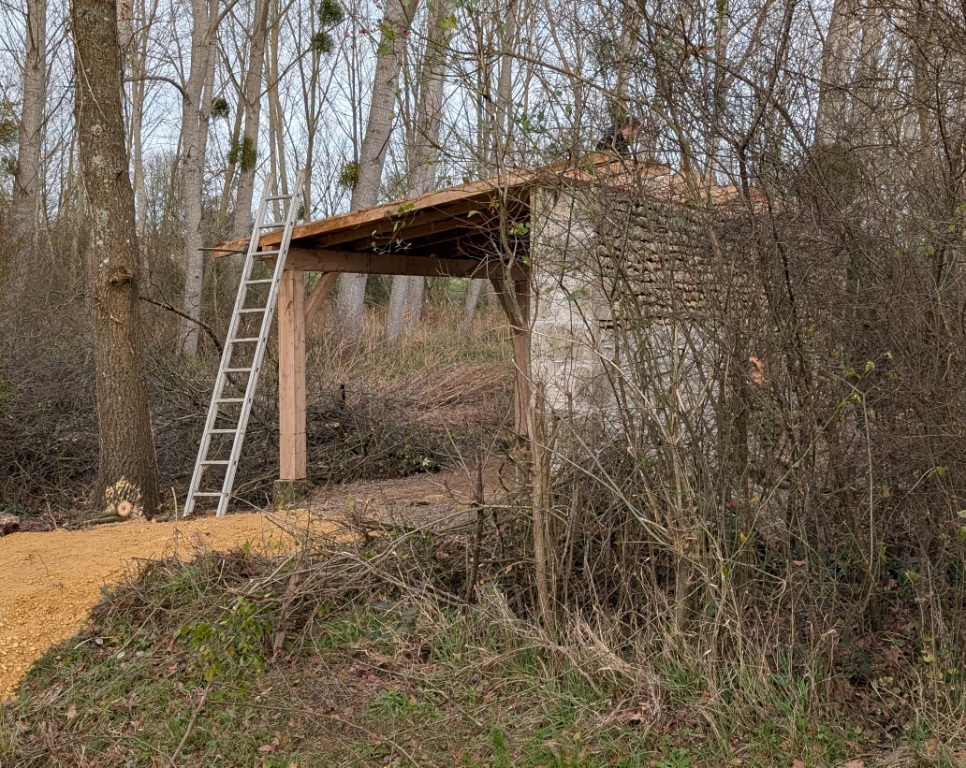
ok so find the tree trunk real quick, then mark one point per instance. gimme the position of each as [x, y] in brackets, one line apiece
[831, 118]
[26, 183]
[252, 102]
[406, 300]
[470, 301]
[372, 156]
[127, 471]
[194, 141]
[137, 63]
[276, 115]
[500, 137]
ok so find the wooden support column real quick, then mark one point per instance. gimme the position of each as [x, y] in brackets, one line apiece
[514, 295]
[521, 359]
[291, 376]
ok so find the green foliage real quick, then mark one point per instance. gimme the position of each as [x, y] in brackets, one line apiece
[322, 43]
[243, 153]
[349, 176]
[220, 108]
[234, 645]
[330, 13]
[8, 132]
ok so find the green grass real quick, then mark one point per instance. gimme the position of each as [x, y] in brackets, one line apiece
[180, 668]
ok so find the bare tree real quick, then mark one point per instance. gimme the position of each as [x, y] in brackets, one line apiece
[247, 149]
[372, 156]
[127, 471]
[406, 299]
[496, 138]
[27, 181]
[195, 121]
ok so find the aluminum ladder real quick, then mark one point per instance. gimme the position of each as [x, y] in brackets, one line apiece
[241, 359]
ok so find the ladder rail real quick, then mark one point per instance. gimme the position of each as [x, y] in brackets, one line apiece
[259, 353]
[225, 367]
[213, 405]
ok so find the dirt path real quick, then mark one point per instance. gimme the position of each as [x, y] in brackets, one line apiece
[49, 581]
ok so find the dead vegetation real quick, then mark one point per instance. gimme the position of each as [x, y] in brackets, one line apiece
[385, 411]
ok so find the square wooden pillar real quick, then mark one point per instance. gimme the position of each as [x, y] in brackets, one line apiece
[514, 295]
[291, 376]
[521, 358]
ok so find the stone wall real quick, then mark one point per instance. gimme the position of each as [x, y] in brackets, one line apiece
[635, 298]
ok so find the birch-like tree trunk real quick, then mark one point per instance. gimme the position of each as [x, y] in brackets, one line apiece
[499, 137]
[406, 299]
[195, 119]
[837, 61]
[276, 114]
[135, 52]
[27, 181]
[375, 143]
[127, 480]
[251, 104]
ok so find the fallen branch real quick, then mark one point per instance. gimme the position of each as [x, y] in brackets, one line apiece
[200, 323]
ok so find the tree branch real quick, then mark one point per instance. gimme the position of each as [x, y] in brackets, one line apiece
[207, 328]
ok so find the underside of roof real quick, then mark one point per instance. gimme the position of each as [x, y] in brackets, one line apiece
[462, 231]
[469, 230]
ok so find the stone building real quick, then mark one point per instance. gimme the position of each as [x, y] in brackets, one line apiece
[615, 277]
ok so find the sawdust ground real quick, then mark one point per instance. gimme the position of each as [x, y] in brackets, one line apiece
[50, 580]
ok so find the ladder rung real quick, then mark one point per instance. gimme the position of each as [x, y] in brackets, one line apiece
[235, 425]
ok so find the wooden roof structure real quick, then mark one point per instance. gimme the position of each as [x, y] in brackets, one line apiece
[461, 231]
[478, 229]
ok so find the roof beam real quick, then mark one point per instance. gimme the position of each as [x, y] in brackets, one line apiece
[390, 264]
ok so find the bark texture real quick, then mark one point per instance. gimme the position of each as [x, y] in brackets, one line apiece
[837, 58]
[127, 471]
[252, 101]
[375, 143]
[406, 299]
[26, 184]
[196, 115]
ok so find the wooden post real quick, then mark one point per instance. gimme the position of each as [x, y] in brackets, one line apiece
[291, 376]
[514, 297]
[521, 358]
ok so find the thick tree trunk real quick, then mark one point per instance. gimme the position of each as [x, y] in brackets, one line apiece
[127, 472]
[406, 300]
[372, 156]
[26, 183]
[194, 141]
